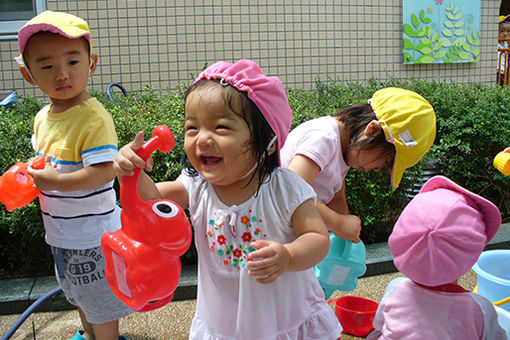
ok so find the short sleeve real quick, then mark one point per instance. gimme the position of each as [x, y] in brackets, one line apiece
[100, 140]
[317, 145]
[195, 186]
[491, 330]
[290, 191]
[186, 180]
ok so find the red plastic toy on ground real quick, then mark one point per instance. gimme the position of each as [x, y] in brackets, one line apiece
[142, 258]
[17, 186]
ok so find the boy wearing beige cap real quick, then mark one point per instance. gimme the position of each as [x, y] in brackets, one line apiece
[78, 138]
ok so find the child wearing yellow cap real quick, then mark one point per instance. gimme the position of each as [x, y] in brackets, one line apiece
[78, 138]
[394, 129]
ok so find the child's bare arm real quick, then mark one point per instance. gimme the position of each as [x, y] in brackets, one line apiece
[339, 202]
[271, 259]
[305, 167]
[175, 191]
[87, 178]
[336, 216]
[335, 213]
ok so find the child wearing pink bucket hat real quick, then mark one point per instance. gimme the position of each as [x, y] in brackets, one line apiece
[258, 233]
[438, 238]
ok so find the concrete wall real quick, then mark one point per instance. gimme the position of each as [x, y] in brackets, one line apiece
[163, 43]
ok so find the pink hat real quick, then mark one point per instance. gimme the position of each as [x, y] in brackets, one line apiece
[65, 24]
[266, 92]
[442, 232]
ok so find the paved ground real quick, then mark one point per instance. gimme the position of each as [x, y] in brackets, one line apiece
[169, 322]
[173, 321]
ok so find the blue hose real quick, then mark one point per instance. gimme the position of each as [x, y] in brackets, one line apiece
[29, 311]
[122, 89]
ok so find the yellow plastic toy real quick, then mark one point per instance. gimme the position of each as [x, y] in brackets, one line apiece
[502, 162]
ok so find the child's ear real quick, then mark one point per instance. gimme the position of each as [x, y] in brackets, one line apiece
[93, 64]
[372, 128]
[26, 74]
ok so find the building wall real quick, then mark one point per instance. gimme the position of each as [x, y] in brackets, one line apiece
[162, 43]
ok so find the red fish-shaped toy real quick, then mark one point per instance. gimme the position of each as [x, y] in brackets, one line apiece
[142, 258]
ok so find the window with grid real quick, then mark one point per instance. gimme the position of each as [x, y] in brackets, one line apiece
[15, 13]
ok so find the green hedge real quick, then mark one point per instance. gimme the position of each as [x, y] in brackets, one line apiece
[473, 126]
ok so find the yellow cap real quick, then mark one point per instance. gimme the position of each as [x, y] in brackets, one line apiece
[65, 24]
[502, 162]
[503, 18]
[409, 122]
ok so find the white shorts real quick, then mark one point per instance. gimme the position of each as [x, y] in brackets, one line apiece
[80, 273]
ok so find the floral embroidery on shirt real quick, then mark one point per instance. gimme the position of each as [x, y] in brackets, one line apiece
[230, 237]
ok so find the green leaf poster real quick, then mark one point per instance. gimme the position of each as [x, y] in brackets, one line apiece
[441, 31]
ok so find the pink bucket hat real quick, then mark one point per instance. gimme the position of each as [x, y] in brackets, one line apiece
[442, 232]
[266, 92]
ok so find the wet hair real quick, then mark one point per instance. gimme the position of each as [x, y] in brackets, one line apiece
[261, 132]
[356, 117]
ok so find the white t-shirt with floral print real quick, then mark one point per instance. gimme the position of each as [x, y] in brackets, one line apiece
[230, 303]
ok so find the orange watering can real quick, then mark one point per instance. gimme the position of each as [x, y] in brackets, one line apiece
[142, 258]
[17, 186]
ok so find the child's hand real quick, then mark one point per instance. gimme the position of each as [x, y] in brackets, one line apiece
[269, 261]
[45, 178]
[126, 159]
[349, 229]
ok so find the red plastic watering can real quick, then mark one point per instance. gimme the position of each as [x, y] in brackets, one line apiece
[17, 186]
[142, 258]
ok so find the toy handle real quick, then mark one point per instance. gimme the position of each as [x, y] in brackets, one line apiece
[347, 249]
[341, 245]
[38, 162]
[162, 139]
